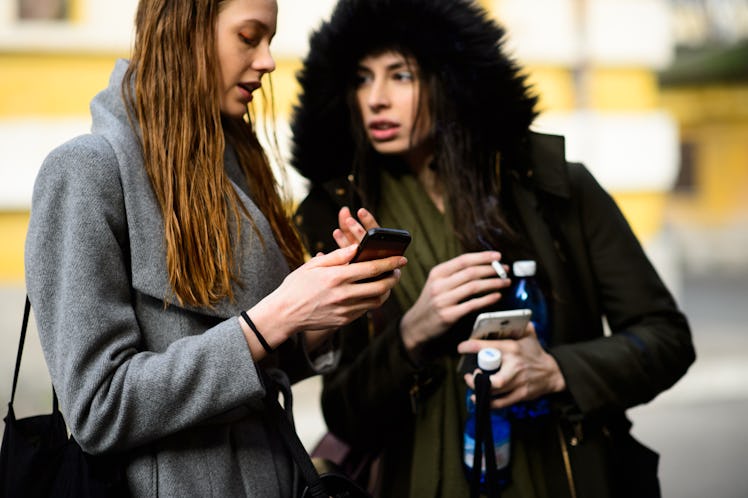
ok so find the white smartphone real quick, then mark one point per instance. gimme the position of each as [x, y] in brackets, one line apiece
[509, 324]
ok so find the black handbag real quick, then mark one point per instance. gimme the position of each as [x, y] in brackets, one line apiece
[333, 454]
[327, 484]
[39, 459]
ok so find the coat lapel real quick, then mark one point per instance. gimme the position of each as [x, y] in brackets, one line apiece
[547, 172]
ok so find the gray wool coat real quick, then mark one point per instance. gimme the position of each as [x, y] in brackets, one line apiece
[173, 388]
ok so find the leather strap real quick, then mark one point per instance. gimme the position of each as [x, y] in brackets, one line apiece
[288, 434]
[484, 441]
[21, 342]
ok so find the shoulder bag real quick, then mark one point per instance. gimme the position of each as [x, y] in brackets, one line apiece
[331, 453]
[39, 459]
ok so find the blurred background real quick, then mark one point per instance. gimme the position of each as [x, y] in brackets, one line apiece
[652, 96]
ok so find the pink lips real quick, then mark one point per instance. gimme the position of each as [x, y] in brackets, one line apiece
[246, 89]
[382, 130]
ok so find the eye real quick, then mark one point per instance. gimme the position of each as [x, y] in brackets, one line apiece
[363, 79]
[403, 76]
[249, 40]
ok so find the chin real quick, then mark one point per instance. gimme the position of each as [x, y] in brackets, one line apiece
[390, 148]
[234, 112]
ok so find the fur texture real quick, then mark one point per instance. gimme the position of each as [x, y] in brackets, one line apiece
[453, 39]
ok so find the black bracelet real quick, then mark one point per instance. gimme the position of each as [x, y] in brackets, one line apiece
[252, 325]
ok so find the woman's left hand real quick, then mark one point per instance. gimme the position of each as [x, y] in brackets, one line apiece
[527, 370]
[349, 230]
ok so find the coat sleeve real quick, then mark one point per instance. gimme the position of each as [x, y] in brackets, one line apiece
[114, 393]
[650, 347]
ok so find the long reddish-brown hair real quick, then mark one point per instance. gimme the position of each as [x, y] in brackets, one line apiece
[172, 89]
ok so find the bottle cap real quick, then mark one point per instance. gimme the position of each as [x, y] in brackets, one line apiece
[524, 268]
[489, 359]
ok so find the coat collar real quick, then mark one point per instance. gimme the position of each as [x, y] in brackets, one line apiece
[260, 262]
[547, 170]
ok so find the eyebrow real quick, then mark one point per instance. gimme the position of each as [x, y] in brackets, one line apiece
[390, 67]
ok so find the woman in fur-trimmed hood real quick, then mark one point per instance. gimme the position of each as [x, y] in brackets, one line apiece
[482, 106]
[411, 111]
[453, 41]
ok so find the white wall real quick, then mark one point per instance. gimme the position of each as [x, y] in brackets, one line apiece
[607, 32]
[635, 151]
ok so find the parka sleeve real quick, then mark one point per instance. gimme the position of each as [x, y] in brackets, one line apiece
[650, 347]
[369, 394]
[114, 393]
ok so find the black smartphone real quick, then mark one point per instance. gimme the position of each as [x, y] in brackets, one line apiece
[381, 243]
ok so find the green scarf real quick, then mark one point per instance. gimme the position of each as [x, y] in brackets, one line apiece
[436, 468]
[405, 204]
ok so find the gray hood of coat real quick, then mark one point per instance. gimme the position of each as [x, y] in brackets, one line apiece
[262, 267]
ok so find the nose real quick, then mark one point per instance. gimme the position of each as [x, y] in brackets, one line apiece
[263, 61]
[378, 97]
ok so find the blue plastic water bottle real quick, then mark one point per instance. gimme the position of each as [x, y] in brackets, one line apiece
[527, 294]
[489, 361]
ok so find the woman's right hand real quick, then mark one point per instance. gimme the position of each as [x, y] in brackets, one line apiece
[453, 289]
[324, 293]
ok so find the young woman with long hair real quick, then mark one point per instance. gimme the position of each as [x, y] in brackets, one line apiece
[164, 271]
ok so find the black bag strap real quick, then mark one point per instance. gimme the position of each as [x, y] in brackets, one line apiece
[484, 440]
[21, 342]
[291, 440]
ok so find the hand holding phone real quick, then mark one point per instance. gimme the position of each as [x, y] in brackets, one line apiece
[381, 243]
[494, 325]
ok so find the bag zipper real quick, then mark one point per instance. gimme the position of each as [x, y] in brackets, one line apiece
[567, 461]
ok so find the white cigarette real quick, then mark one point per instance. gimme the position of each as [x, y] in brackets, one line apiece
[499, 269]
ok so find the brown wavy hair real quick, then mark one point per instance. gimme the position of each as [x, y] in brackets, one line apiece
[172, 92]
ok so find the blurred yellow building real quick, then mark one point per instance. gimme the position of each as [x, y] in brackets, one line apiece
[669, 147]
[706, 89]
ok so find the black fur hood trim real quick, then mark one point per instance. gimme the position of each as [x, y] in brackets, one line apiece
[453, 39]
